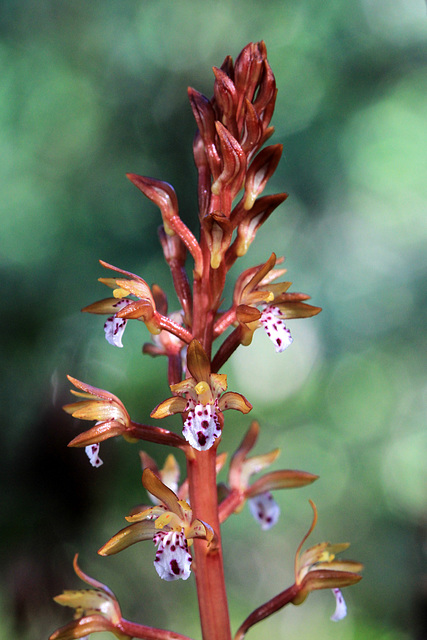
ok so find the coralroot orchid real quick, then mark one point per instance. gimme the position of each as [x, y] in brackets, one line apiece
[315, 568]
[204, 403]
[102, 406]
[170, 525]
[197, 339]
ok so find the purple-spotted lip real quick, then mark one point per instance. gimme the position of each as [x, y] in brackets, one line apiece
[202, 426]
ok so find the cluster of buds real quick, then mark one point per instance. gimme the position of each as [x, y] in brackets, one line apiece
[233, 169]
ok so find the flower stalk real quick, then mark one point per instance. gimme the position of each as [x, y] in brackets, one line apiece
[233, 168]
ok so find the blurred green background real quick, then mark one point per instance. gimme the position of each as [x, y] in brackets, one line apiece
[91, 90]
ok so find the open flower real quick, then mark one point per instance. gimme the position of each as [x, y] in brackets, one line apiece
[276, 305]
[204, 400]
[171, 527]
[122, 308]
[261, 503]
[110, 414]
[315, 568]
[96, 609]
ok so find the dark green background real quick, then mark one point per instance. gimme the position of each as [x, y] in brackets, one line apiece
[91, 90]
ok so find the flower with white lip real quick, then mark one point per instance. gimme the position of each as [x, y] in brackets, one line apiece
[204, 402]
[254, 289]
[261, 503]
[169, 524]
[96, 609]
[110, 414]
[318, 568]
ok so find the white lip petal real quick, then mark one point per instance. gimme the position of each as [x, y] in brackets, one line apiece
[265, 510]
[92, 452]
[172, 561]
[275, 328]
[341, 607]
[202, 427]
[114, 327]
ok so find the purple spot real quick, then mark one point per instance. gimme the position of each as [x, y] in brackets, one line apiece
[175, 567]
[201, 438]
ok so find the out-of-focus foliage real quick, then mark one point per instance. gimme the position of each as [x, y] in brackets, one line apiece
[90, 90]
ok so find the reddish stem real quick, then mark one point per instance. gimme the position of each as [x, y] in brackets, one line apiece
[228, 347]
[266, 609]
[229, 505]
[208, 564]
[178, 331]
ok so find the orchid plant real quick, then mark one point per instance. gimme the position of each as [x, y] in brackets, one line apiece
[184, 520]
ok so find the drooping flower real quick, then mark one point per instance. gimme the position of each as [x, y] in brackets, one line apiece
[124, 308]
[204, 401]
[96, 609]
[315, 568]
[110, 414]
[261, 503]
[318, 568]
[170, 525]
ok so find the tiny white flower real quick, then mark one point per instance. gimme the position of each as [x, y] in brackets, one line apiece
[341, 607]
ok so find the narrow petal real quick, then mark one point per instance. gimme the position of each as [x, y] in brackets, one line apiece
[170, 472]
[92, 391]
[91, 601]
[96, 410]
[172, 559]
[265, 510]
[341, 607]
[129, 535]
[198, 362]
[92, 452]
[275, 328]
[169, 407]
[254, 465]
[297, 310]
[98, 433]
[259, 275]
[202, 427]
[233, 400]
[157, 488]
[283, 479]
